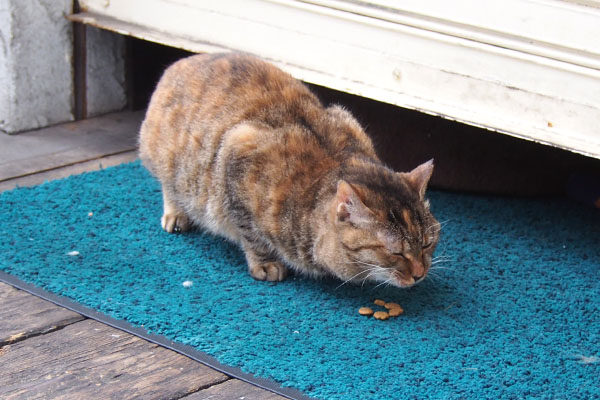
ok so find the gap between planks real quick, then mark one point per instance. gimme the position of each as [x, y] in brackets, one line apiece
[34, 317]
[29, 153]
[68, 170]
[88, 359]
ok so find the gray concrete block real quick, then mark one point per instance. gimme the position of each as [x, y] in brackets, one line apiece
[36, 67]
[105, 72]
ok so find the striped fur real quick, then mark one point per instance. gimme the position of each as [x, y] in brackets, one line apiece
[245, 151]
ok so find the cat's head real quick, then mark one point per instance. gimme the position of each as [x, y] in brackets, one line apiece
[384, 231]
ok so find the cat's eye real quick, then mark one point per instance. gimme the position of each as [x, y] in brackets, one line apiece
[428, 245]
[360, 247]
[399, 255]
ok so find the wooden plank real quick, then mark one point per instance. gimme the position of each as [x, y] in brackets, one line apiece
[89, 360]
[63, 172]
[66, 144]
[234, 389]
[553, 29]
[23, 315]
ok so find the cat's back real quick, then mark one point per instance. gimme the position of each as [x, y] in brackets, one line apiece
[200, 97]
[226, 88]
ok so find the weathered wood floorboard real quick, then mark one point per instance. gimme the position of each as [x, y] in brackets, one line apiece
[63, 172]
[60, 145]
[233, 389]
[23, 315]
[90, 360]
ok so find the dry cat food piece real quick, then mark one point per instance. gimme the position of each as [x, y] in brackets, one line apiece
[365, 311]
[382, 315]
[389, 306]
[396, 311]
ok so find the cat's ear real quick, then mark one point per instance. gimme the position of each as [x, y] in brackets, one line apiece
[419, 177]
[350, 207]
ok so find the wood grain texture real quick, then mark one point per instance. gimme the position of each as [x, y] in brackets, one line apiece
[66, 144]
[89, 360]
[63, 172]
[234, 389]
[23, 315]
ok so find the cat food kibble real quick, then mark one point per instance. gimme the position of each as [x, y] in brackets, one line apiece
[365, 311]
[381, 315]
[394, 312]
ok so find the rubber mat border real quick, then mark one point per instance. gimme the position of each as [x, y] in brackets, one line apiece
[160, 340]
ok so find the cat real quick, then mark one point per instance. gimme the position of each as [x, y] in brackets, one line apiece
[245, 151]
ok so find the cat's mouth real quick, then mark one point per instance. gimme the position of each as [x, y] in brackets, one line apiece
[401, 280]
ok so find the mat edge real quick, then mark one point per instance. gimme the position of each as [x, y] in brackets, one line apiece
[163, 341]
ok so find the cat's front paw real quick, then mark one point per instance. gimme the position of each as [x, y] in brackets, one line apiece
[172, 222]
[272, 271]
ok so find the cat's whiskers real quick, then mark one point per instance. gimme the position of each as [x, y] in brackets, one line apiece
[441, 260]
[367, 277]
[376, 269]
[432, 274]
[435, 269]
[438, 226]
[441, 250]
[356, 261]
[441, 223]
[437, 264]
[434, 278]
[442, 256]
[387, 281]
[436, 261]
[370, 270]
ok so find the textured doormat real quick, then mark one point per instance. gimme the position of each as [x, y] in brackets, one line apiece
[514, 314]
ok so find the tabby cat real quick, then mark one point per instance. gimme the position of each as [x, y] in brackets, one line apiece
[245, 151]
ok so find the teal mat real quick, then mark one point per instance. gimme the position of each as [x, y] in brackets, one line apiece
[515, 315]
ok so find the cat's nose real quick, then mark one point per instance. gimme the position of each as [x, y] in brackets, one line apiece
[417, 270]
[416, 277]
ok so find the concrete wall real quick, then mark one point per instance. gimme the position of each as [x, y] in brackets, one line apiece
[106, 89]
[5, 54]
[36, 75]
[36, 78]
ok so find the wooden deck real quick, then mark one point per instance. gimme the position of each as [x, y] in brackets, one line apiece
[50, 352]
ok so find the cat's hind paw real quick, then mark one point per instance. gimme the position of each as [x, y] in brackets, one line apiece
[272, 271]
[175, 223]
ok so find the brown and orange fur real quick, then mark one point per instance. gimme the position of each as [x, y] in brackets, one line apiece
[245, 151]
